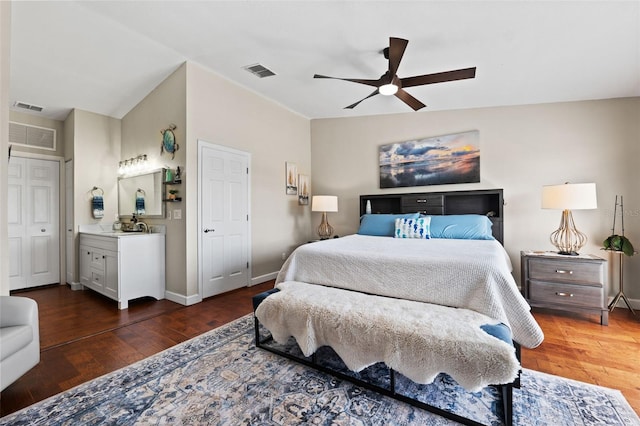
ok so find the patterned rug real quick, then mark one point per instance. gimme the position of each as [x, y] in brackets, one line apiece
[221, 378]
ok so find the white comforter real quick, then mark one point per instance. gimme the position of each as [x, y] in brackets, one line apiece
[471, 274]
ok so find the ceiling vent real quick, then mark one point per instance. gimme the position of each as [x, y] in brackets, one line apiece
[259, 71]
[32, 136]
[30, 107]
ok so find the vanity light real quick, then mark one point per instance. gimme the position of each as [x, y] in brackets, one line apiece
[133, 165]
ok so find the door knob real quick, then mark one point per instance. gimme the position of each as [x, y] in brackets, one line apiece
[209, 230]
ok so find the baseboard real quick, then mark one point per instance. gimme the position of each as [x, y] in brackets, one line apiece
[635, 303]
[196, 298]
[263, 278]
[181, 299]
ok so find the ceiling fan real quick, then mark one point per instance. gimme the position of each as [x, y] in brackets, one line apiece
[389, 84]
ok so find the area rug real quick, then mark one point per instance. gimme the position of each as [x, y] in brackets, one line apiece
[221, 378]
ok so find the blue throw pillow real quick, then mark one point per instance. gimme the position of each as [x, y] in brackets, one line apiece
[461, 226]
[382, 225]
[413, 228]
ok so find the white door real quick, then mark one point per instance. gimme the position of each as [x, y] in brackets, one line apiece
[70, 244]
[224, 219]
[33, 209]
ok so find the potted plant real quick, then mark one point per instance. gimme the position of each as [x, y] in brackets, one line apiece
[172, 194]
[615, 242]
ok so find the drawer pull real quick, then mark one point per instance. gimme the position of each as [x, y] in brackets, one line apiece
[558, 293]
[421, 201]
[562, 271]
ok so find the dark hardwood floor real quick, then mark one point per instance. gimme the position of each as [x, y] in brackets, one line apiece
[84, 336]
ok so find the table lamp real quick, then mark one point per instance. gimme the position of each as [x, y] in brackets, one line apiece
[566, 197]
[324, 204]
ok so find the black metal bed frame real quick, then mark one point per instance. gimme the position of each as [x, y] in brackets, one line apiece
[505, 390]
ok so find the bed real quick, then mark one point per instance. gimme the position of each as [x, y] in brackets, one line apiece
[439, 253]
[471, 274]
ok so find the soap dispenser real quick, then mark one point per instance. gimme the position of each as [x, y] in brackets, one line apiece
[117, 225]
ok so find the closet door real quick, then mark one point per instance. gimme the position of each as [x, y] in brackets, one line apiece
[33, 210]
[224, 216]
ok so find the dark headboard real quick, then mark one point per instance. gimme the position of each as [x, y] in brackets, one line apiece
[483, 201]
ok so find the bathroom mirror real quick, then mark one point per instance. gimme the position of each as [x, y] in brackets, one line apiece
[141, 193]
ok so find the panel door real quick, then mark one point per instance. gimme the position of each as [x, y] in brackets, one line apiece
[85, 264]
[224, 220]
[111, 280]
[33, 206]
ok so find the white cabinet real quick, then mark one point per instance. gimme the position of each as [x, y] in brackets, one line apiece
[123, 266]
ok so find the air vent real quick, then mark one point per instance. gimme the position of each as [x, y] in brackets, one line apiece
[32, 136]
[30, 107]
[259, 70]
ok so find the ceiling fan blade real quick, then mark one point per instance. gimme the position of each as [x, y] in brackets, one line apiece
[397, 47]
[439, 77]
[374, 83]
[409, 100]
[352, 106]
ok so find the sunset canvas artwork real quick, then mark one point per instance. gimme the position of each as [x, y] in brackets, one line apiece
[436, 160]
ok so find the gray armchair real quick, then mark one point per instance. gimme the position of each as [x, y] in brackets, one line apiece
[19, 338]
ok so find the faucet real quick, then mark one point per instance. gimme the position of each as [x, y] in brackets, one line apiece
[138, 224]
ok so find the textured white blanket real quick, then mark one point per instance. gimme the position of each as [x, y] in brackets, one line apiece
[417, 339]
[471, 274]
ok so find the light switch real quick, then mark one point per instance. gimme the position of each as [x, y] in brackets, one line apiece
[177, 214]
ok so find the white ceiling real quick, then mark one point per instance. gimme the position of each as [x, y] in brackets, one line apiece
[105, 56]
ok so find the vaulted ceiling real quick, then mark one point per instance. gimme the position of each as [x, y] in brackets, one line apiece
[105, 56]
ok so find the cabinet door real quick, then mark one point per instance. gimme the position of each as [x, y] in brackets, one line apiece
[85, 265]
[111, 279]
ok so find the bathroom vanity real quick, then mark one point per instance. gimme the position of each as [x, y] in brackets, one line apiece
[123, 265]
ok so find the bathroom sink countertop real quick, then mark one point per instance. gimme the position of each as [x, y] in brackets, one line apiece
[117, 234]
[107, 231]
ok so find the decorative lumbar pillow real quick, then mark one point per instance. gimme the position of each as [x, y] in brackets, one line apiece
[381, 225]
[413, 228]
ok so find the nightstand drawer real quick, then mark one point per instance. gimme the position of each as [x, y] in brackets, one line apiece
[565, 294]
[565, 271]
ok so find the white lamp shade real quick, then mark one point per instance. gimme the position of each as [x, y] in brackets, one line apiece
[324, 203]
[570, 196]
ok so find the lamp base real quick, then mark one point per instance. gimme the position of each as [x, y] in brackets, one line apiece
[567, 239]
[325, 230]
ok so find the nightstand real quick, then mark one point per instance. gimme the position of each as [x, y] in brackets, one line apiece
[569, 283]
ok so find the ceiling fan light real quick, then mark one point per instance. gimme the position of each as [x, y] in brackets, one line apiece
[388, 89]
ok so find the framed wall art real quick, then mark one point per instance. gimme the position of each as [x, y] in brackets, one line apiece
[303, 190]
[437, 160]
[291, 174]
